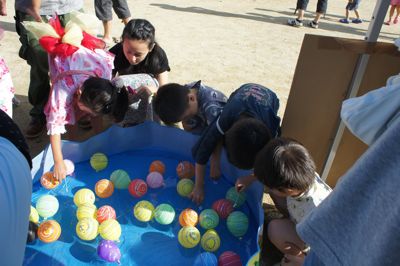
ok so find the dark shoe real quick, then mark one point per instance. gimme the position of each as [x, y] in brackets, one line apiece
[313, 24]
[344, 20]
[295, 22]
[35, 128]
[357, 21]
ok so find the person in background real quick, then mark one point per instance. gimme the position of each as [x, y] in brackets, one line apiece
[301, 7]
[352, 5]
[394, 5]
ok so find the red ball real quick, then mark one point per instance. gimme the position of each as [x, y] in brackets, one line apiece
[223, 207]
[137, 188]
[104, 213]
[229, 258]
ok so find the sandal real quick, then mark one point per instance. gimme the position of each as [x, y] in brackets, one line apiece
[395, 20]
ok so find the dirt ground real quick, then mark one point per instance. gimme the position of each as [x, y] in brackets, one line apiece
[224, 43]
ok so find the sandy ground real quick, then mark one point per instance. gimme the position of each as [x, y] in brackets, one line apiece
[224, 43]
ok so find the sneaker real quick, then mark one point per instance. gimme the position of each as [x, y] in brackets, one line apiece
[357, 21]
[313, 24]
[344, 20]
[295, 22]
[35, 128]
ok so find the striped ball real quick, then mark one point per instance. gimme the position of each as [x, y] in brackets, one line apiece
[34, 215]
[104, 188]
[223, 207]
[98, 161]
[48, 180]
[155, 180]
[229, 258]
[188, 217]
[185, 169]
[86, 210]
[237, 198]
[157, 166]
[49, 231]
[206, 259]
[87, 229]
[164, 214]
[208, 219]
[185, 187]
[137, 188]
[110, 230]
[47, 206]
[210, 241]
[120, 179]
[237, 223]
[104, 213]
[84, 195]
[189, 236]
[143, 211]
[70, 166]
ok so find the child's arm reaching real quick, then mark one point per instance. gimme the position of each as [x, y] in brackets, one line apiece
[60, 170]
[197, 194]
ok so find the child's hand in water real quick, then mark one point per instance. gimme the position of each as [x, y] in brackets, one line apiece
[215, 169]
[197, 194]
[243, 182]
[60, 171]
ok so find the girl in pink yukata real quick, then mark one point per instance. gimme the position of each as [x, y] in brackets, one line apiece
[6, 85]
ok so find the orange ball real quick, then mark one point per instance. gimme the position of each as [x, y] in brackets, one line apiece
[49, 231]
[157, 166]
[185, 169]
[104, 188]
[188, 217]
[48, 180]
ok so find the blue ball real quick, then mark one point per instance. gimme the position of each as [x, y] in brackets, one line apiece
[206, 259]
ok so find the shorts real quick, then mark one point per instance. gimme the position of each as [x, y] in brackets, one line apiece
[322, 5]
[104, 8]
[353, 5]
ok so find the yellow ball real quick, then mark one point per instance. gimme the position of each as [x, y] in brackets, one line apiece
[143, 211]
[185, 187]
[98, 161]
[110, 230]
[86, 210]
[83, 196]
[34, 215]
[87, 228]
[210, 241]
[189, 236]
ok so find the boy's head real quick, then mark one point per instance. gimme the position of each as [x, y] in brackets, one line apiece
[285, 167]
[246, 137]
[174, 103]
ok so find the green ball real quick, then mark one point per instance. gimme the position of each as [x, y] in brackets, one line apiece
[47, 206]
[237, 223]
[120, 179]
[164, 214]
[210, 241]
[209, 219]
[185, 187]
[237, 198]
[98, 161]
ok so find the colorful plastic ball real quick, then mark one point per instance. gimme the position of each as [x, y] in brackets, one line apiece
[32, 232]
[49, 231]
[104, 188]
[188, 217]
[210, 241]
[137, 188]
[237, 198]
[155, 180]
[223, 207]
[34, 215]
[206, 259]
[84, 195]
[157, 166]
[98, 161]
[70, 166]
[104, 213]
[120, 179]
[47, 206]
[237, 223]
[109, 251]
[48, 180]
[185, 169]
[86, 210]
[189, 236]
[164, 214]
[143, 211]
[208, 219]
[185, 187]
[229, 258]
[87, 229]
[110, 229]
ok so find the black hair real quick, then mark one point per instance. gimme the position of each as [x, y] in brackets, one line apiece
[170, 102]
[104, 97]
[285, 164]
[246, 137]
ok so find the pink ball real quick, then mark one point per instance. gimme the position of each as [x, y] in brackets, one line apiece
[229, 258]
[155, 180]
[104, 213]
[70, 166]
